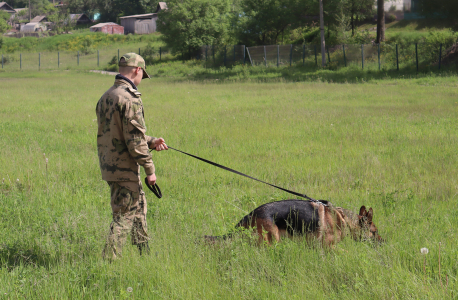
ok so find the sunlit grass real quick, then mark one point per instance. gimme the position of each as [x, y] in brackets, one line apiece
[390, 145]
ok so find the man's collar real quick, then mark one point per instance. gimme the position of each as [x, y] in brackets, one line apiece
[119, 76]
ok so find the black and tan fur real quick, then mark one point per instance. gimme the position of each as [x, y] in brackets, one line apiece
[318, 220]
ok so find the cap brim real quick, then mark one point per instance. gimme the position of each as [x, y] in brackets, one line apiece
[145, 75]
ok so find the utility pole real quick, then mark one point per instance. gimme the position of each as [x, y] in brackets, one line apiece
[323, 45]
[30, 13]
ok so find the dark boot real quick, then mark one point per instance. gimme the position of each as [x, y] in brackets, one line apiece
[143, 248]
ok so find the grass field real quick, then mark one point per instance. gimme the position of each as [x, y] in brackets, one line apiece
[389, 144]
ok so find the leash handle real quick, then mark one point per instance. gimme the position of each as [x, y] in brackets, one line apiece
[155, 189]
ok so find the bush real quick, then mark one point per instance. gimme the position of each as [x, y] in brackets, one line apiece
[113, 64]
[7, 59]
[391, 18]
[148, 54]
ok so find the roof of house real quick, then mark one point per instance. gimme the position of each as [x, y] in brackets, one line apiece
[38, 19]
[104, 24]
[19, 9]
[7, 7]
[161, 6]
[144, 16]
[77, 16]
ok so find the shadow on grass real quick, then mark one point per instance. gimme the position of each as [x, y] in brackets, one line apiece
[195, 72]
[430, 23]
[15, 255]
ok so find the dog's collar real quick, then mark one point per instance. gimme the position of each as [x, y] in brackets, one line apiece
[321, 202]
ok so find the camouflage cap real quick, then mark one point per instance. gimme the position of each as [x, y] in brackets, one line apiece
[133, 60]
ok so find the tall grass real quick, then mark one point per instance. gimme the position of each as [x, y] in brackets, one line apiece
[387, 145]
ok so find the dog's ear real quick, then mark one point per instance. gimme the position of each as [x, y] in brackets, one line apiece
[362, 211]
[370, 214]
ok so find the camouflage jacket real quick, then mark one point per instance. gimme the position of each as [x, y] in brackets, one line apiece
[122, 144]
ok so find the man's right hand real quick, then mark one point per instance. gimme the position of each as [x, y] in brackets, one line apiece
[151, 179]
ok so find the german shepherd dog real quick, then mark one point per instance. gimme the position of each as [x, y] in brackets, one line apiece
[318, 220]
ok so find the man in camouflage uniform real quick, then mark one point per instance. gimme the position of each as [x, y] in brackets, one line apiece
[122, 148]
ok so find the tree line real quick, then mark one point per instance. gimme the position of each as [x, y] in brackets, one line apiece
[188, 24]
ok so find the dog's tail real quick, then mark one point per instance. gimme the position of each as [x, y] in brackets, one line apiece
[216, 238]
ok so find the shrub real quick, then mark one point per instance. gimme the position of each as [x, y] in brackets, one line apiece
[391, 18]
[7, 59]
[113, 64]
[148, 54]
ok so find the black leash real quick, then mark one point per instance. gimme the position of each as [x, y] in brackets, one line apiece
[239, 173]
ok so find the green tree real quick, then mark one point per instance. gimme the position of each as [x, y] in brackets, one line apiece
[186, 26]
[262, 22]
[111, 10]
[380, 21]
[4, 17]
[357, 10]
[61, 20]
[89, 7]
[442, 8]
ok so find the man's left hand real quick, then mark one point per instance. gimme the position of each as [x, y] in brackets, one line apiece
[159, 144]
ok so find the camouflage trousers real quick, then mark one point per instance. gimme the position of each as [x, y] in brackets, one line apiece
[128, 204]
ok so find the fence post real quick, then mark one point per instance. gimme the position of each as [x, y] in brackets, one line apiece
[291, 55]
[98, 58]
[79, 58]
[265, 56]
[225, 53]
[213, 54]
[316, 59]
[118, 55]
[206, 55]
[303, 55]
[379, 66]
[397, 57]
[2, 61]
[440, 56]
[278, 55]
[244, 56]
[345, 58]
[362, 56]
[20, 61]
[160, 53]
[139, 51]
[234, 54]
[39, 61]
[416, 54]
[329, 57]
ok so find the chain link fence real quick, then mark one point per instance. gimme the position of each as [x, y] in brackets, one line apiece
[365, 56]
[91, 59]
[225, 55]
[417, 57]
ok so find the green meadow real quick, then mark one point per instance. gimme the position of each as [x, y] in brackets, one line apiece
[389, 144]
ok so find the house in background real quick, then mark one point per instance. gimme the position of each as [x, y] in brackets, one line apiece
[139, 24]
[33, 27]
[80, 19]
[6, 7]
[108, 28]
[161, 6]
[39, 19]
[142, 24]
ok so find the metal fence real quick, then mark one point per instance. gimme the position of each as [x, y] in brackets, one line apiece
[226, 55]
[366, 56]
[420, 56]
[72, 60]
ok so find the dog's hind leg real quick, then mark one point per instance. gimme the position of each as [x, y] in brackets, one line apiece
[263, 225]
